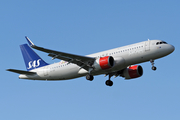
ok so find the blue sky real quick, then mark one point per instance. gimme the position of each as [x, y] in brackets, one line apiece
[85, 27]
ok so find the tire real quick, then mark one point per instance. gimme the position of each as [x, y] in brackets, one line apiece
[89, 77]
[109, 83]
[154, 68]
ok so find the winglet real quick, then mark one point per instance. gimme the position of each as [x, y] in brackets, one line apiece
[29, 41]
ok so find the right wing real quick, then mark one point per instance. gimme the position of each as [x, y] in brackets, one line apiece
[21, 72]
[82, 61]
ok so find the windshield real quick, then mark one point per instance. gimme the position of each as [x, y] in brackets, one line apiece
[161, 43]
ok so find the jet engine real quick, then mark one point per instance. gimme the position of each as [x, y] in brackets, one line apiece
[131, 72]
[103, 63]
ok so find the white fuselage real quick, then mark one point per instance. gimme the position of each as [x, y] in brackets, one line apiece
[123, 56]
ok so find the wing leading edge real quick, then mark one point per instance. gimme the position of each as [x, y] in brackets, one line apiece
[82, 61]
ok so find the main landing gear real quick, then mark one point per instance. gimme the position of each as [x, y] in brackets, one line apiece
[89, 77]
[109, 82]
[152, 63]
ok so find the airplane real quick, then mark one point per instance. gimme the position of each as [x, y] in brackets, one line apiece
[114, 62]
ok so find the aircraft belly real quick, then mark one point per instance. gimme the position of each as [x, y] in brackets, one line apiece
[64, 73]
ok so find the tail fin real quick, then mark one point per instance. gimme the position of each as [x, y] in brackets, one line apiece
[31, 59]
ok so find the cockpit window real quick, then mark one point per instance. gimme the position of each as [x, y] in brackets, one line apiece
[161, 43]
[164, 42]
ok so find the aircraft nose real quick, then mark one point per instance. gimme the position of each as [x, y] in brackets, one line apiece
[172, 48]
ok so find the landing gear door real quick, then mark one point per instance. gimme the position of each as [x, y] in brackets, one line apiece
[147, 45]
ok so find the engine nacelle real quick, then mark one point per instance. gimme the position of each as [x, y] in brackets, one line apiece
[103, 63]
[134, 71]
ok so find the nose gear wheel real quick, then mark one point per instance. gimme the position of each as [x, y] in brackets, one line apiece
[152, 63]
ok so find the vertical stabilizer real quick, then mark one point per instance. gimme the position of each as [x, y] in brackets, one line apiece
[31, 59]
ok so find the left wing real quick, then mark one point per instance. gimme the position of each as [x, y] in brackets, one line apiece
[82, 61]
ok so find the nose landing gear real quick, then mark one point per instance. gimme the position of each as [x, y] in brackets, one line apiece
[152, 63]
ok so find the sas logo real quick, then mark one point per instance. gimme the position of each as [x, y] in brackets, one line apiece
[34, 64]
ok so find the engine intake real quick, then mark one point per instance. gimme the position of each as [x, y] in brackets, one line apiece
[104, 63]
[134, 71]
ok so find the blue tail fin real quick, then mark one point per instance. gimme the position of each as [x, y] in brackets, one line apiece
[31, 59]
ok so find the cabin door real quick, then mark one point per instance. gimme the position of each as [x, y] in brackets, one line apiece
[147, 45]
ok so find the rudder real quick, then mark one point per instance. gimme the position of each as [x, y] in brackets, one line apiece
[31, 59]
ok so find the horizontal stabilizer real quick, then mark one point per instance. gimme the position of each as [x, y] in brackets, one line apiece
[21, 71]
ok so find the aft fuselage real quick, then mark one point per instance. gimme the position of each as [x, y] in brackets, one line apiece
[123, 57]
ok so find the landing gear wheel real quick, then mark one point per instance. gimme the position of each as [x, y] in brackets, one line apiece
[154, 68]
[89, 77]
[152, 63]
[109, 83]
